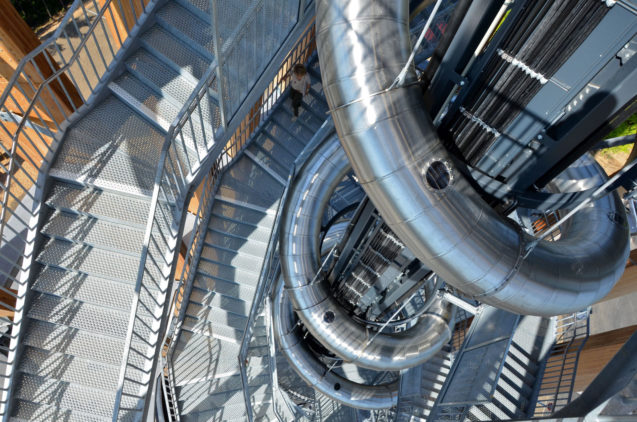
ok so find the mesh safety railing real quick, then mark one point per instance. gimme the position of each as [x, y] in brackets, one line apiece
[195, 142]
[49, 85]
[558, 377]
[245, 127]
[301, 53]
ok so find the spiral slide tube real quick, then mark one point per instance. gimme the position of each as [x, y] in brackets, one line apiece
[403, 167]
[317, 309]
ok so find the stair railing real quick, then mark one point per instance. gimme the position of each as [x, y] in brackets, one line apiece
[560, 367]
[51, 85]
[270, 269]
[209, 138]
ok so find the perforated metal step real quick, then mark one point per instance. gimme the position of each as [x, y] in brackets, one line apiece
[184, 23]
[65, 395]
[160, 77]
[261, 411]
[94, 232]
[69, 340]
[24, 410]
[237, 259]
[84, 372]
[248, 246]
[166, 110]
[284, 149]
[180, 54]
[247, 182]
[80, 315]
[221, 301]
[228, 273]
[93, 290]
[107, 206]
[281, 169]
[124, 157]
[239, 290]
[88, 260]
[225, 392]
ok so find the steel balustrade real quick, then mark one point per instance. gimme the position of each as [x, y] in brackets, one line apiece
[40, 100]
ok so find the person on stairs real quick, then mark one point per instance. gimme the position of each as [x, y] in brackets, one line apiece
[300, 86]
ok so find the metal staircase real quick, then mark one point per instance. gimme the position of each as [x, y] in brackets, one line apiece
[207, 376]
[76, 329]
[113, 200]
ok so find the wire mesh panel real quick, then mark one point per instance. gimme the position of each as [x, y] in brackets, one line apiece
[247, 49]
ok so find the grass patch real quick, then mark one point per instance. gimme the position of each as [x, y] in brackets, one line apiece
[629, 127]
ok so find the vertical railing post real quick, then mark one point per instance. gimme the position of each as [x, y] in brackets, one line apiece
[221, 85]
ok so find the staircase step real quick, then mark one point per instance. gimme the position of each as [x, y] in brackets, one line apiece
[282, 170]
[100, 204]
[221, 301]
[238, 229]
[233, 258]
[285, 137]
[245, 181]
[159, 76]
[94, 232]
[92, 290]
[261, 411]
[199, 358]
[280, 141]
[181, 57]
[65, 395]
[164, 110]
[69, 368]
[72, 341]
[236, 243]
[216, 316]
[78, 315]
[245, 213]
[228, 273]
[296, 128]
[205, 284]
[125, 157]
[90, 261]
[24, 410]
[189, 27]
[283, 153]
[221, 392]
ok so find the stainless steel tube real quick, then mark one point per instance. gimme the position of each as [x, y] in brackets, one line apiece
[315, 373]
[401, 164]
[320, 313]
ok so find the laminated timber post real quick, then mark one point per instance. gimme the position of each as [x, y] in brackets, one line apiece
[121, 17]
[16, 41]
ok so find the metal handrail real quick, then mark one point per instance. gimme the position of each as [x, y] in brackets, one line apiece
[217, 157]
[41, 108]
[571, 333]
[268, 267]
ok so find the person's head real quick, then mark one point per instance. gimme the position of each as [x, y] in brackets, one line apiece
[299, 70]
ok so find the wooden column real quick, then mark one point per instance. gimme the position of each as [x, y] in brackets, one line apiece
[16, 41]
[121, 17]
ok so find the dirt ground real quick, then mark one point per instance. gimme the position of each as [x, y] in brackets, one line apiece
[611, 162]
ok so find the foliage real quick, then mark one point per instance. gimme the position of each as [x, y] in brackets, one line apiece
[38, 12]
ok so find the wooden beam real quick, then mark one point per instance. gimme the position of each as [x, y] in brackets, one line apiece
[121, 16]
